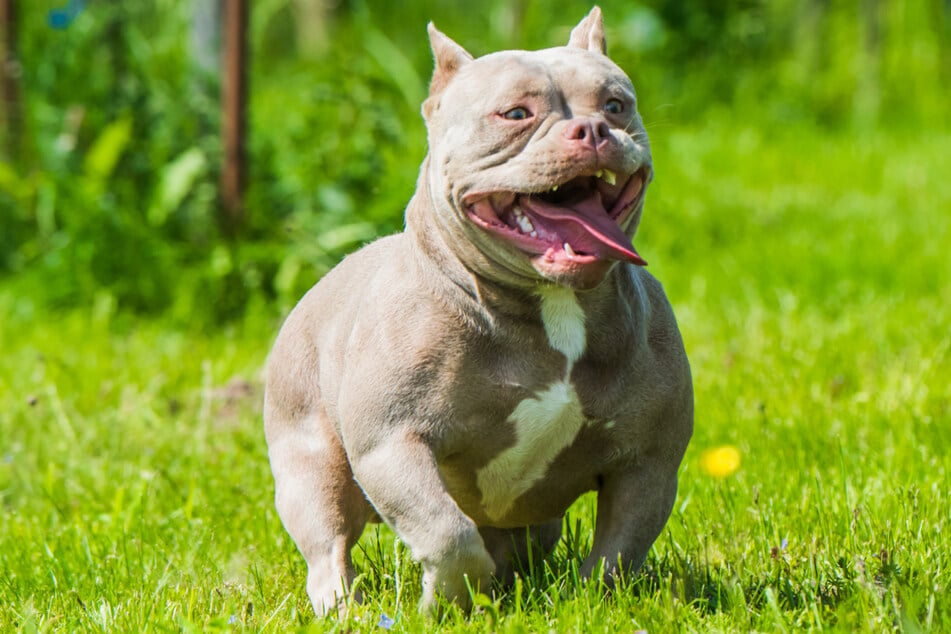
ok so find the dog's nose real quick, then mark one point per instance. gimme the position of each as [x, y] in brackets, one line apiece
[588, 132]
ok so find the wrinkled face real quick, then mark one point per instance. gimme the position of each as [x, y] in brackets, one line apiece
[542, 161]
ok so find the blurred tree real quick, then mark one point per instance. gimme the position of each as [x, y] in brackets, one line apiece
[9, 80]
[234, 114]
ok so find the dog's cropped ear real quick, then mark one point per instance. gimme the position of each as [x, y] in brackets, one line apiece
[450, 57]
[589, 34]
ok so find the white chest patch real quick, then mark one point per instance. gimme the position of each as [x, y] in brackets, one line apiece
[563, 319]
[544, 424]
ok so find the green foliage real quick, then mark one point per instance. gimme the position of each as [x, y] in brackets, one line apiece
[103, 116]
[114, 191]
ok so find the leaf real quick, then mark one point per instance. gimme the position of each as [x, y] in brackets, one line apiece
[287, 273]
[102, 157]
[220, 263]
[397, 65]
[177, 180]
[343, 236]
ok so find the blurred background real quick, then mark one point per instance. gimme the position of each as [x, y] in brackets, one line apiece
[111, 132]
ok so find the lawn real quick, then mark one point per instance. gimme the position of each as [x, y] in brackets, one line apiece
[810, 275]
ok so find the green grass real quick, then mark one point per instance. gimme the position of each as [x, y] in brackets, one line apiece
[810, 275]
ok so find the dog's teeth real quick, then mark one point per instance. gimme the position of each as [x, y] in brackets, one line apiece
[555, 188]
[517, 211]
[609, 177]
[569, 250]
[524, 224]
[534, 234]
[599, 173]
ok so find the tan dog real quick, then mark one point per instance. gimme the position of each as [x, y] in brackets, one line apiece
[469, 378]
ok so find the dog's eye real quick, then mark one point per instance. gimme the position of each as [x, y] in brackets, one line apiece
[614, 106]
[516, 114]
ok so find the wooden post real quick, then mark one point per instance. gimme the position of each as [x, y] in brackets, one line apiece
[234, 112]
[9, 77]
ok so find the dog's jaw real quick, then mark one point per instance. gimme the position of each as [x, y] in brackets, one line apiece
[573, 229]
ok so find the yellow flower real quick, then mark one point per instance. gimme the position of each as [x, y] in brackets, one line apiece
[720, 462]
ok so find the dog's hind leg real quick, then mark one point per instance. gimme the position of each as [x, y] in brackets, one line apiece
[514, 549]
[318, 501]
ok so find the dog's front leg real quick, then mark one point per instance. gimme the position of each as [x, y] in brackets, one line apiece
[633, 506]
[401, 479]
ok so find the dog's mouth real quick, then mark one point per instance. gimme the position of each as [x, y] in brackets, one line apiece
[576, 222]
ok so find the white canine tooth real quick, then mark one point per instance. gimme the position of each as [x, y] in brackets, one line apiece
[555, 188]
[609, 177]
[569, 250]
[534, 234]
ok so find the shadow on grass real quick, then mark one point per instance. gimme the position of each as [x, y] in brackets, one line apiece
[777, 590]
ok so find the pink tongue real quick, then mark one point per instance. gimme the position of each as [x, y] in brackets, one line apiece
[586, 226]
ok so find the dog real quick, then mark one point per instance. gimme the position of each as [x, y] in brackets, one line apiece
[466, 380]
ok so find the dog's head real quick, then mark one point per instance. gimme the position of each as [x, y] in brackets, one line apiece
[538, 159]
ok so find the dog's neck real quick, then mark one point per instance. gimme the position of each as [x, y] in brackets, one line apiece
[478, 300]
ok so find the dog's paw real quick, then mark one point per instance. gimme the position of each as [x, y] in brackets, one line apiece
[327, 595]
[446, 577]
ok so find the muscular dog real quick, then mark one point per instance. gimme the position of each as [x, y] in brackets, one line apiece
[467, 379]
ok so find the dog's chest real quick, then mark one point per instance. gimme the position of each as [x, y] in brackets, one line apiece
[544, 424]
